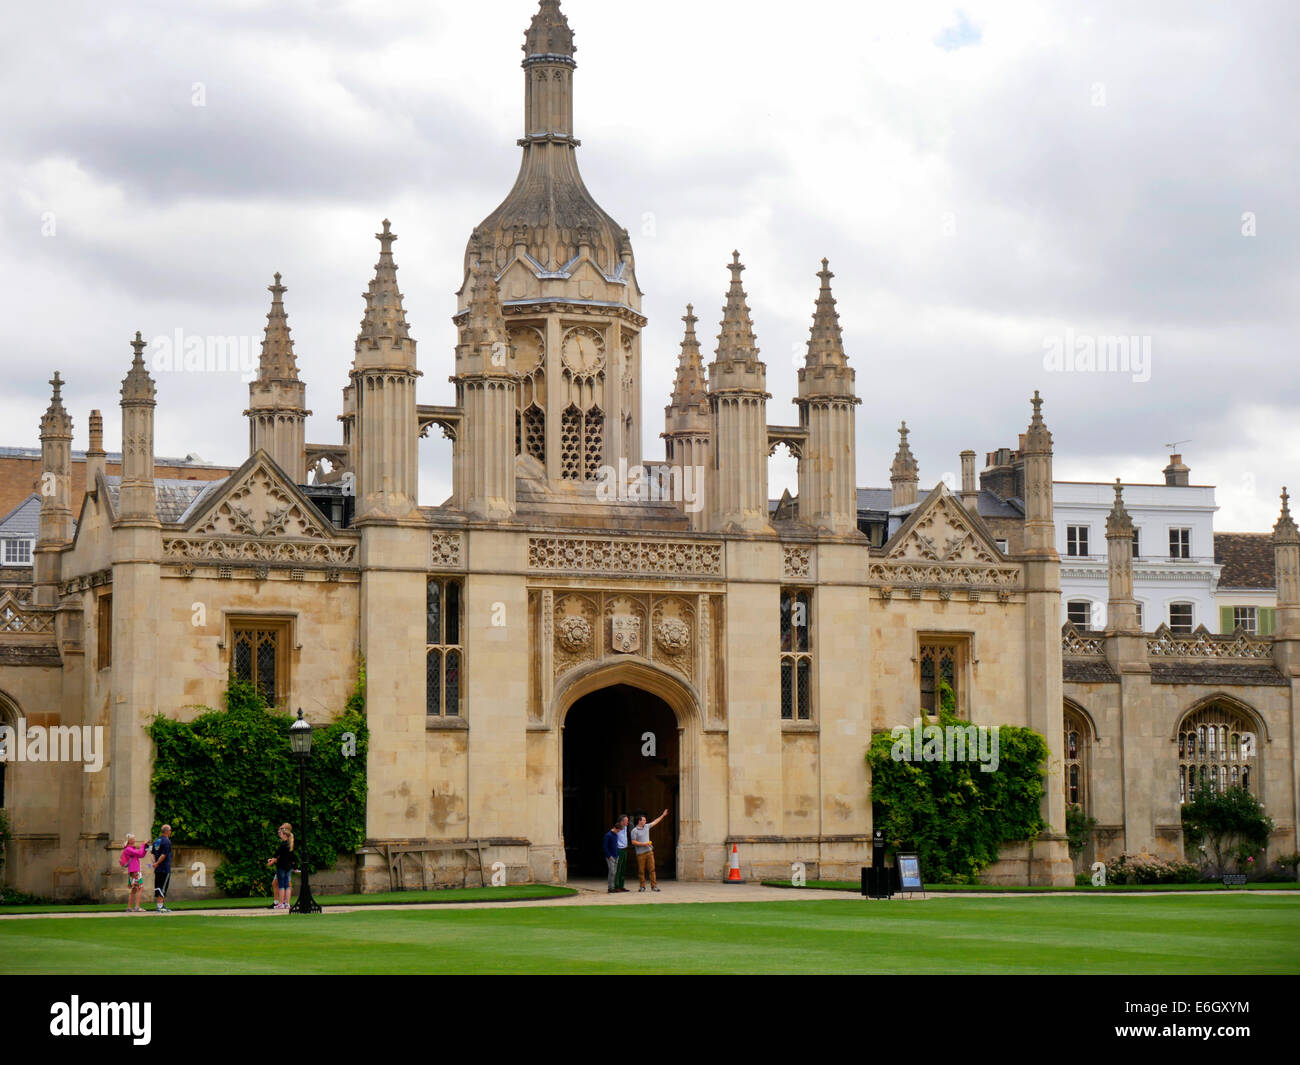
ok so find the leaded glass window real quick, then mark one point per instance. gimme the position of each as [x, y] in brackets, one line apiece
[796, 655]
[443, 655]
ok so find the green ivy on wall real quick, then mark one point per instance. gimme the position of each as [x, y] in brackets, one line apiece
[227, 780]
[952, 814]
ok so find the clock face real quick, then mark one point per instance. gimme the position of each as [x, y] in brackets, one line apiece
[529, 349]
[584, 350]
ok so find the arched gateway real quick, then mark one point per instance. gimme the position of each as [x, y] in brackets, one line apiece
[628, 743]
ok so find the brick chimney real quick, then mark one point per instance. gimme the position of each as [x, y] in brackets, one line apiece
[1176, 473]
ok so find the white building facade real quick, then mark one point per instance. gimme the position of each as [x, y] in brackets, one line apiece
[1175, 577]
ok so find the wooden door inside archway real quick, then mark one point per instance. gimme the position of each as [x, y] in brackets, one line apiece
[620, 756]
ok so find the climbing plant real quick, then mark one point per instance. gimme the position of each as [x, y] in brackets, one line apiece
[954, 815]
[227, 780]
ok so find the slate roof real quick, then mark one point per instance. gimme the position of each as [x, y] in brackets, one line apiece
[1216, 673]
[1088, 671]
[879, 499]
[991, 505]
[175, 498]
[1247, 560]
[23, 522]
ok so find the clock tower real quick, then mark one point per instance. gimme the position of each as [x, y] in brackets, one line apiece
[567, 282]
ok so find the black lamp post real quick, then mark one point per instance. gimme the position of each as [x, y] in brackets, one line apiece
[300, 744]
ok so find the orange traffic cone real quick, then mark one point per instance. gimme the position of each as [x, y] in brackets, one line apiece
[733, 874]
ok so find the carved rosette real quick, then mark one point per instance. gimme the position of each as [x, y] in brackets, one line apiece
[796, 562]
[574, 633]
[673, 636]
[446, 551]
[574, 614]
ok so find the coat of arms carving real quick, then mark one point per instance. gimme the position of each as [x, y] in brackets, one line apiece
[626, 632]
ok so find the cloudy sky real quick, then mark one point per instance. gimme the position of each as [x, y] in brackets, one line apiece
[992, 183]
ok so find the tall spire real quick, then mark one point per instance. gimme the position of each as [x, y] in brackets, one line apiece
[136, 495]
[1118, 522]
[826, 401]
[483, 337]
[736, 342]
[278, 362]
[1285, 531]
[1037, 438]
[904, 466]
[825, 342]
[56, 422]
[385, 318]
[138, 386]
[689, 388]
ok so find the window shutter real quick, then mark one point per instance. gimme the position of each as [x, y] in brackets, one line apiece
[1225, 620]
[1266, 615]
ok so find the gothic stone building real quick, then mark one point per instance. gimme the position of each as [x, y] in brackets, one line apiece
[540, 657]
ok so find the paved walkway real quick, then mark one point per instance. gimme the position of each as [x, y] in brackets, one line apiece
[594, 893]
[590, 893]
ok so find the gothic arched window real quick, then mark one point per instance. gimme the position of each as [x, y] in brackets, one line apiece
[1216, 749]
[1075, 749]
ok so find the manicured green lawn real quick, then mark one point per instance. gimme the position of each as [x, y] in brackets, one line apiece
[401, 898]
[1018, 889]
[1238, 933]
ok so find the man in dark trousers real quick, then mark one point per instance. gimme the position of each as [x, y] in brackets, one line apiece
[162, 868]
[611, 854]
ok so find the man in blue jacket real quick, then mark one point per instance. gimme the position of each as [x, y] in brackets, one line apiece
[611, 854]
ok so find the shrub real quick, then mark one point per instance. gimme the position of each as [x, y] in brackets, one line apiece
[955, 816]
[1078, 829]
[1148, 869]
[1230, 823]
[5, 839]
[227, 780]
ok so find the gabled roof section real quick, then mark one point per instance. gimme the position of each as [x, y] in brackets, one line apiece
[259, 500]
[940, 529]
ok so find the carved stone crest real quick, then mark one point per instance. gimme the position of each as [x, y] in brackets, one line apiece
[626, 633]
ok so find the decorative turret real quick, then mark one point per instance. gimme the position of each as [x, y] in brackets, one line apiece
[277, 414]
[686, 418]
[1119, 553]
[1040, 534]
[1286, 558]
[826, 401]
[737, 485]
[384, 375]
[904, 476]
[567, 279]
[485, 384]
[137, 501]
[549, 213]
[54, 531]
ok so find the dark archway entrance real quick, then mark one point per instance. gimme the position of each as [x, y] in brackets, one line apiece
[610, 768]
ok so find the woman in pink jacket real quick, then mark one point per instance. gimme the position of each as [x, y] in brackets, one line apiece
[131, 856]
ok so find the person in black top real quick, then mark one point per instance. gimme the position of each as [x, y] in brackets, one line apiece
[162, 868]
[284, 863]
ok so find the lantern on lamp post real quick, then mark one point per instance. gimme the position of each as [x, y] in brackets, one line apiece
[300, 744]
